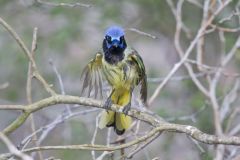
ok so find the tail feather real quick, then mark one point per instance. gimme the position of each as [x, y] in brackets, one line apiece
[107, 119]
[122, 122]
[119, 121]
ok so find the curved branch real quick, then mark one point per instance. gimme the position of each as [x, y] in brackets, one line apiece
[66, 99]
[189, 130]
[158, 124]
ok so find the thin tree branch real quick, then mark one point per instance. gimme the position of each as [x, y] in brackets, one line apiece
[28, 54]
[150, 119]
[61, 4]
[142, 33]
[135, 151]
[13, 150]
[49, 127]
[29, 88]
[189, 130]
[201, 31]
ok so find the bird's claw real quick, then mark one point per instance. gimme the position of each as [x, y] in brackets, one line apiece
[107, 104]
[126, 108]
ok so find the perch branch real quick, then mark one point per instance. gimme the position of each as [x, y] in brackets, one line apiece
[158, 123]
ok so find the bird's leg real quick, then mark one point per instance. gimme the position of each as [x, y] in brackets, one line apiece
[128, 106]
[108, 102]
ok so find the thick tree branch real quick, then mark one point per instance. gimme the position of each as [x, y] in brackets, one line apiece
[189, 130]
[159, 124]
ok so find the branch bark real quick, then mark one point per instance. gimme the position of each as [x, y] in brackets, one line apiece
[158, 124]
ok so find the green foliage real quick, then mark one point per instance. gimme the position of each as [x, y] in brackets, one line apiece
[162, 112]
[12, 94]
[156, 15]
[192, 21]
[197, 100]
[207, 156]
[168, 140]
[205, 120]
[230, 39]
[3, 2]
[58, 41]
[73, 69]
[79, 135]
[75, 155]
[112, 11]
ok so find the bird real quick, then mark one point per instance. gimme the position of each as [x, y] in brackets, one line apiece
[123, 68]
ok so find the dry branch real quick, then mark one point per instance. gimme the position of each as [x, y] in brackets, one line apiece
[159, 125]
[199, 34]
[13, 149]
[61, 4]
[28, 54]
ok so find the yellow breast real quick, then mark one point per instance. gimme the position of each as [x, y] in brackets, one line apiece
[119, 75]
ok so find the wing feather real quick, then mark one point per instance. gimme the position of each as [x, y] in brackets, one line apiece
[142, 77]
[100, 80]
[96, 83]
[91, 77]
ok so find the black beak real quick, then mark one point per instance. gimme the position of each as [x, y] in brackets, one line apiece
[115, 43]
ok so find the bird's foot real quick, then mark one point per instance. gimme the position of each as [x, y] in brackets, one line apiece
[126, 108]
[107, 104]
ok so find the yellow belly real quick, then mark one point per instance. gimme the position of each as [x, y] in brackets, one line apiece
[120, 76]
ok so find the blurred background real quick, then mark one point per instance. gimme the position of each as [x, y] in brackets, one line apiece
[70, 36]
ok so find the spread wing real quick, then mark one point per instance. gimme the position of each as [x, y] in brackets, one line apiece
[91, 77]
[137, 61]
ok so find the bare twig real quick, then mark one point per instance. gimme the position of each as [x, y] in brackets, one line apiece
[214, 83]
[191, 117]
[234, 113]
[192, 131]
[228, 100]
[234, 13]
[180, 50]
[189, 130]
[196, 3]
[13, 150]
[213, 97]
[224, 29]
[29, 88]
[131, 154]
[187, 53]
[142, 33]
[200, 44]
[28, 54]
[59, 77]
[49, 127]
[179, 78]
[197, 144]
[77, 4]
[183, 26]
[94, 135]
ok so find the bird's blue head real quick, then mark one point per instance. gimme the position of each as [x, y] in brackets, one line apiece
[114, 38]
[114, 44]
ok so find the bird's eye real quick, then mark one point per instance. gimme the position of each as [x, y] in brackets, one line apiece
[121, 39]
[108, 38]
